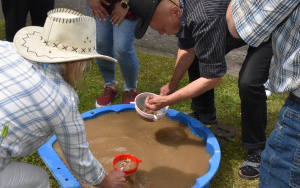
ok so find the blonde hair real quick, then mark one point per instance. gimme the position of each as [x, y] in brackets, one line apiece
[74, 78]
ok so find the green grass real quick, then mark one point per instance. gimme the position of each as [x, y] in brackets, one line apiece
[155, 71]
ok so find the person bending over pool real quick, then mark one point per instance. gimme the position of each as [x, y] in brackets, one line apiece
[37, 74]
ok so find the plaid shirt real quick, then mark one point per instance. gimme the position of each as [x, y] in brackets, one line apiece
[257, 20]
[36, 103]
[109, 8]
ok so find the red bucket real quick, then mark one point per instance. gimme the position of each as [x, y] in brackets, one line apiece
[126, 157]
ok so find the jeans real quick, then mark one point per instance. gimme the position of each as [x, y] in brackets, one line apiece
[280, 161]
[117, 41]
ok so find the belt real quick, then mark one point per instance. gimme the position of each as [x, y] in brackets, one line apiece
[294, 98]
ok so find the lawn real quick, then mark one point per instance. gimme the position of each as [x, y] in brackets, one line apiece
[155, 71]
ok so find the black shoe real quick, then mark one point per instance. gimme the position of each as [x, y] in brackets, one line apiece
[210, 121]
[250, 167]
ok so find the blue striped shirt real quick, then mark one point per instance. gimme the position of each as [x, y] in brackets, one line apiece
[36, 103]
[257, 20]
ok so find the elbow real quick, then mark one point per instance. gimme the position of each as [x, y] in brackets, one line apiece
[217, 81]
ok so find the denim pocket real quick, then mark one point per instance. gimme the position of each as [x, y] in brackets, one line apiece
[291, 121]
[295, 172]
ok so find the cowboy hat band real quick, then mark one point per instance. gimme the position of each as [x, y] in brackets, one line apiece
[66, 36]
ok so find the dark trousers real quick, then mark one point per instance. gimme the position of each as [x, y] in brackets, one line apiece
[15, 14]
[253, 74]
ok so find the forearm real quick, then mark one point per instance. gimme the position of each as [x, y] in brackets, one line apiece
[183, 62]
[71, 135]
[194, 89]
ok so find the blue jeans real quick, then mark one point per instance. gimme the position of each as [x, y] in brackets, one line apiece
[280, 161]
[118, 42]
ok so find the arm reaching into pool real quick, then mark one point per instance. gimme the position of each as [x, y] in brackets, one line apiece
[170, 96]
[191, 90]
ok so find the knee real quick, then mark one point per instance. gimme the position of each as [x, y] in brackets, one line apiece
[104, 45]
[122, 51]
[244, 85]
[101, 44]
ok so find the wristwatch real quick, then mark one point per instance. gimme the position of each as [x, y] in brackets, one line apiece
[124, 4]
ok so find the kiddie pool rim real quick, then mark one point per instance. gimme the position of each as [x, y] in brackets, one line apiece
[67, 180]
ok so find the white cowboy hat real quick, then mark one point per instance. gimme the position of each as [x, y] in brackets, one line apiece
[66, 36]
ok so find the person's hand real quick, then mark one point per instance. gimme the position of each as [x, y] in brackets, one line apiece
[114, 179]
[97, 9]
[118, 14]
[156, 103]
[167, 89]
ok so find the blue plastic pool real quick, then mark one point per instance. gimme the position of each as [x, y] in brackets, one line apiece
[67, 180]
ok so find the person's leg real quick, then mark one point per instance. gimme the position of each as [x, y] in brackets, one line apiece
[104, 42]
[15, 14]
[17, 174]
[280, 161]
[125, 53]
[104, 37]
[38, 11]
[252, 77]
[127, 58]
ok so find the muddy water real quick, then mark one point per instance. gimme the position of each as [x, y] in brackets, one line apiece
[172, 157]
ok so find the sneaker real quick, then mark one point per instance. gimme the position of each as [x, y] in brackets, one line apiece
[268, 93]
[107, 97]
[210, 121]
[129, 96]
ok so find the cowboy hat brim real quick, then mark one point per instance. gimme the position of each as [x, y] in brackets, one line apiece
[28, 42]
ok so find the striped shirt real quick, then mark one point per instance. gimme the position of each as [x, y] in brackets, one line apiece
[203, 26]
[36, 103]
[257, 20]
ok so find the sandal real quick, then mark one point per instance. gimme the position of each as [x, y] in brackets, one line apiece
[250, 167]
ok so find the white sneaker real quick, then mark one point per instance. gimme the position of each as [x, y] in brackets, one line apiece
[268, 93]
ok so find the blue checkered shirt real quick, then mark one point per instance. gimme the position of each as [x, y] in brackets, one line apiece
[36, 103]
[257, 20]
